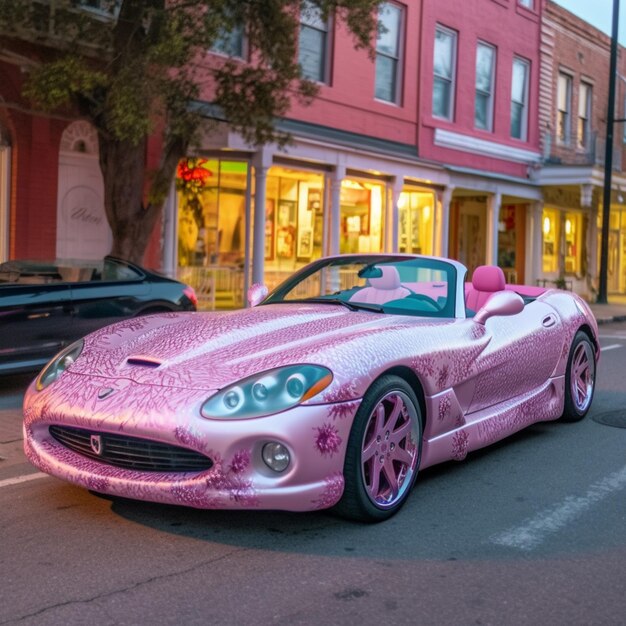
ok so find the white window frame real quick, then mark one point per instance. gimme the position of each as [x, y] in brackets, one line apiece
[395, 56]
[524, 102]
[583, 122]
[319, 26]
[564, 112]
[451, 81]
[479, 92]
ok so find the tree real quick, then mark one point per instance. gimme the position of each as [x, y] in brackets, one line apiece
[136, 69]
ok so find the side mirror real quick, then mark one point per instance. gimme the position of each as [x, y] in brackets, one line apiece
[257, 293]
[500, 303]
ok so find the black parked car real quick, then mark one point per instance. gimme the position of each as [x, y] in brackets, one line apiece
[45, 306]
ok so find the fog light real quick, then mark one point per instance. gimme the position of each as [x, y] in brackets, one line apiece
[276, 456]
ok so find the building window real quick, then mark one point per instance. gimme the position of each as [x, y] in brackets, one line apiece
[313, 43]
[104, 7]
[388, 52]
[415, 220]
[444, 69]
[550, 230]
[526, 3]
[519, 99]
[564, 103]
[230, 42]
[584, 116]
[361, 215]
[573, 227]
[485, 63]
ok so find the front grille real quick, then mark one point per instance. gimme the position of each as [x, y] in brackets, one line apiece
[131, 452]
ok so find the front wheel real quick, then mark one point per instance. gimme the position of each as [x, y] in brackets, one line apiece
[580, 378]
[383, 452]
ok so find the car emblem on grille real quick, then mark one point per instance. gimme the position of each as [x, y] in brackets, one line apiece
[105, 392]
[95, 441]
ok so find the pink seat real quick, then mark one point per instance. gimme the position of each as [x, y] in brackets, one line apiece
[486, 280]
[383, 289]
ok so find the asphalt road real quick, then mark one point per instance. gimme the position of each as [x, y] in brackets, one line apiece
[529, 531]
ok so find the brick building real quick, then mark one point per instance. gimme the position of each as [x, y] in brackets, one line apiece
[573, 100]
[441, 145]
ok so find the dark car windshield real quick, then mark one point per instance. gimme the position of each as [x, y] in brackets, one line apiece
[420, 286]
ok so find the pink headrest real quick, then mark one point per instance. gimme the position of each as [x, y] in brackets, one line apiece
[389, 280]
[488, 278]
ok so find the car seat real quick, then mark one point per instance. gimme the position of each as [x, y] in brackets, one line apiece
[383, 289]
[486, 280]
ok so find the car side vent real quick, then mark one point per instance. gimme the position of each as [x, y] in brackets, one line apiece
[143, 360]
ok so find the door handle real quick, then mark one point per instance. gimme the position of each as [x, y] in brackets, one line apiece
[548, 320]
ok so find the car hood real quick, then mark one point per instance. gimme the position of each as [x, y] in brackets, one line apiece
[211, 350]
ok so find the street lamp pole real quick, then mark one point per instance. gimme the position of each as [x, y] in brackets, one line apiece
[608, 161]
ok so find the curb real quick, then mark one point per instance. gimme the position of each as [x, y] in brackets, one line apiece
[610, 320]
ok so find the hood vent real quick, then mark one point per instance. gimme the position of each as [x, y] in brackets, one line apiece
[143, 360]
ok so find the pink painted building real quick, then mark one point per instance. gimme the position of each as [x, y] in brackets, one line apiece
[427, 148]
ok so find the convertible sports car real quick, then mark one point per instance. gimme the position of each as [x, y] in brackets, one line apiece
[45, 306]
[333, 392]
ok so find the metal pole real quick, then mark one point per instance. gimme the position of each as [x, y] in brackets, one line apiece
[608, 161]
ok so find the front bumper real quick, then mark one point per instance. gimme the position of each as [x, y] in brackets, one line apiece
[315, 435]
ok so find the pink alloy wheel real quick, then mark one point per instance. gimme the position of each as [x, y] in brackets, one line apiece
[389, 451]
[582, 376]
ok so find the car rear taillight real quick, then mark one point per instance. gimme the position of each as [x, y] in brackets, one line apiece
[191, 294]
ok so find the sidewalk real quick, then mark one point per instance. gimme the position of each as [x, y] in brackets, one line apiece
[614, 311]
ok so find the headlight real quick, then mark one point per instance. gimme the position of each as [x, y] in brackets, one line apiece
[269, 392]
[59, 364]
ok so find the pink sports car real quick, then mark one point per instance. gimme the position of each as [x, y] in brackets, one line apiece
[332, 391]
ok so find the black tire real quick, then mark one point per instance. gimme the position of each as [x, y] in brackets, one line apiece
[580, 378]
[369, 494]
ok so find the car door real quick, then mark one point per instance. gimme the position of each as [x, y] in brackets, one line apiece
[521, 355]
[35, 323]
[113, 294]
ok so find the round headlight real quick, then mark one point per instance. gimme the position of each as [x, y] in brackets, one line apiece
[233, 398]
[296, 385]
[61, 362]
[260, 392]
[276, 456]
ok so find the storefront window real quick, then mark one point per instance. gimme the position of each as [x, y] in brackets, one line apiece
[415, 214]
[573, 240]
[361, 216]
[550, 229]
[294, 223]
[211, 212]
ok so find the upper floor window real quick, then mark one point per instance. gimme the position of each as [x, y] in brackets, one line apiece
[388, 47]
[313, 43]
[526, 3]
[583, 130]
[483, 104]
[103, 7]
[230, 42]
[564, 105]
[519, 99]
[444, 69]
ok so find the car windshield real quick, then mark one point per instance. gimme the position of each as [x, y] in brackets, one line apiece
[420, 286]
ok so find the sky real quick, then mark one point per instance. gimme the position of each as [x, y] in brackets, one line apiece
[599, 13]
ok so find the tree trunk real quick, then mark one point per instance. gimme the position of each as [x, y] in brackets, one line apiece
[131, 220]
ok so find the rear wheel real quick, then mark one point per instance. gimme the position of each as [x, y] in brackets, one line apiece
[383, 453]
[580, 378]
